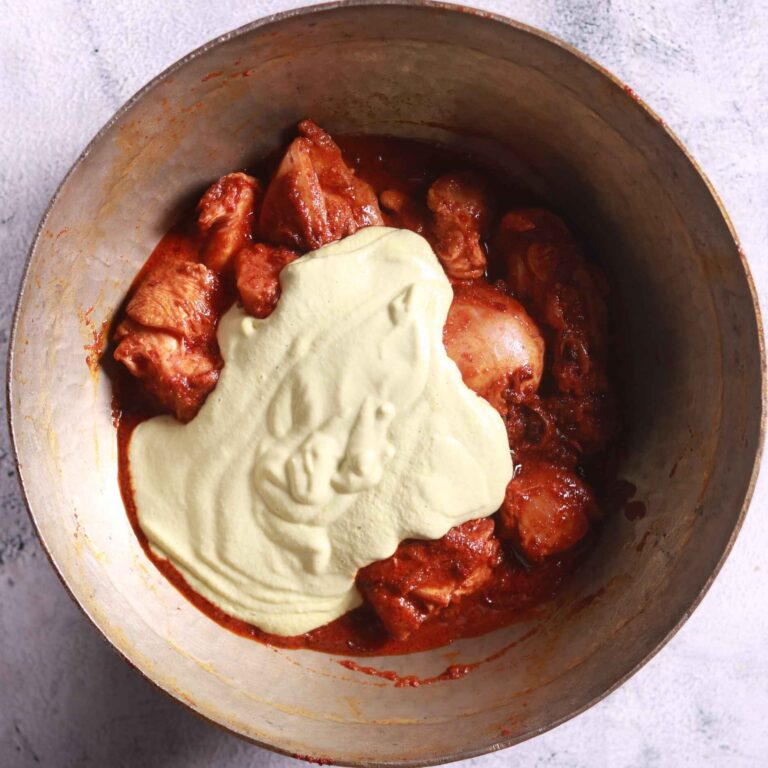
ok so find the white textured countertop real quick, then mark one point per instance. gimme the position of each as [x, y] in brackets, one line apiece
[66, 699]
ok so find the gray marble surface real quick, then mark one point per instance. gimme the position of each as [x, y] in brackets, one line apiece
[66, 699]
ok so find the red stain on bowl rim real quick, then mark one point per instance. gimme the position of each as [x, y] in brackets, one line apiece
[620, 498]
[194, 107]
[313, 760]
[452, 672]
[635, 510]
[211, 75]
[586, 601]
[631, 92]
[641, 544]
[95, 349]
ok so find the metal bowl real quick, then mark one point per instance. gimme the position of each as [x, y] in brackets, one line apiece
[577, 138]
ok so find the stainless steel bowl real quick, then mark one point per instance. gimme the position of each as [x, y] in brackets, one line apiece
[575, 136]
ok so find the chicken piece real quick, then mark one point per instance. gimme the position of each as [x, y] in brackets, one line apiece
[547, 270]
[459, 203]
[168, 339]
[496, 346]
[178, 376]
[561, 428]
[533, 430]
[404, 211]
[424, 577]
[588, 421]
[546, 510]
[178, 298]
[314, 198]
[257, 269]
[225, 218]
[578, 364]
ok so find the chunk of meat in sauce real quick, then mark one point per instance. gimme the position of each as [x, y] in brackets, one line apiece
[588, 422]
[460, 204]
[314, 197]
[494, 342]
[225, 218]
[177, 298]
[547, 270]
[561, 428]
[405, 211]
[257, 272]
[533, 430]
[547, 509]
[178, 376]
[168, 339]
[424, 577]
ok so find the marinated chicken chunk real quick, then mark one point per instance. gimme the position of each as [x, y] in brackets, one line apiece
[177, 298]
[588, 422]
[460, 203]
[177, 375]
[168, 339]
[257, 271]
[547, 271]
[405, 211]
[496, 346]
[424, 577]
[533, 431]
[559, 428]
[314, 198]
[225, 218]
[546, 510]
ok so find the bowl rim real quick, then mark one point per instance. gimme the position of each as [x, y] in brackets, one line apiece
[646, 111]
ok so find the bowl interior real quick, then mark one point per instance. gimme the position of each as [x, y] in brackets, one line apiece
[684, 309]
